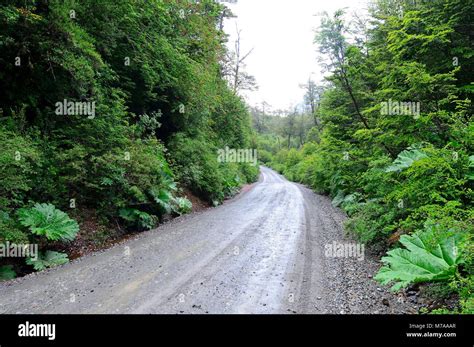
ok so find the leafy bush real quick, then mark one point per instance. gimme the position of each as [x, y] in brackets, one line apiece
[249, 172]
[231, 178]
[19, 161]
[372, 222]
[196, 166]
[47, 259]
[45, 220]
[10, 230]
[181, 206]
[265, 157]
[138, 219]
[7, 272]
[146, 170]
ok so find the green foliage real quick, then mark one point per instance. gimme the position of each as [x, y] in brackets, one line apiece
[181, 206]
[393, 171]
[405, 159]
[47, 259]
[265, 157]
[138, 219]
[197, 166]
[371, 221]
[10, 230]
[470, 174]
[156, 82]
[19, 160]
[425, 258]
[7, 272]
[46, 220]
[249, 172]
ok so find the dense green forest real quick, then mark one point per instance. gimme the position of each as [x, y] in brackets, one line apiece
[107, 120]
[389, 136]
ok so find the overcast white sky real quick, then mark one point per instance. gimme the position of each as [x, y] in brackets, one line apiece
[281, 32]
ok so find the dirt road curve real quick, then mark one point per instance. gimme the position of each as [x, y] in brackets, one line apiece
[262, 252]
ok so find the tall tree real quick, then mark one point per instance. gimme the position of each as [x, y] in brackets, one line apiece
[333, 45]
[312, 99]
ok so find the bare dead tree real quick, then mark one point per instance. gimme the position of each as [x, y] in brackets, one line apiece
[238, 78]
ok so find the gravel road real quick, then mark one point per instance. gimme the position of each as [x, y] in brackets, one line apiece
[261, 252]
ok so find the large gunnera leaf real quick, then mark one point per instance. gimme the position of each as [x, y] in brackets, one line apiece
[48, 259]
[405, 159]
[419, 261]
[46, 220]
